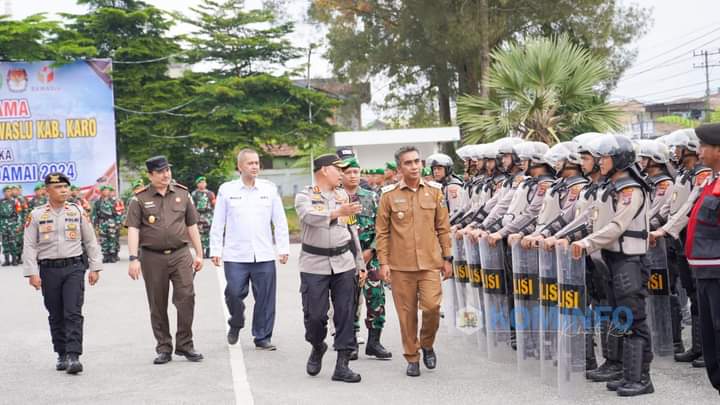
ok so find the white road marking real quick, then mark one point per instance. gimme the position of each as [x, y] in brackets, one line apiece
[241, 387]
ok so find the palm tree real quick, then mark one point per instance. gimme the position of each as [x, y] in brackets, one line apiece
[546, 89]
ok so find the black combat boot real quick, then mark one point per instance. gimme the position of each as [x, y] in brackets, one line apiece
[74, 365]
[105, 258]
[314, 363]
[699, 362]
[590, 359]
[636, 370]
[354, 353]
[342, 371]
[374, 347]
[7, 260]
[611, 369]
[15, 260]
[62, 362]
[695, 350]
[676, 322]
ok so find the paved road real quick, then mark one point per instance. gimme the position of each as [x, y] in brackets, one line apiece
[119, 352]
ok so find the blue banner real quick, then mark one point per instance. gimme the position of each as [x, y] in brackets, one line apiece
[57, 119]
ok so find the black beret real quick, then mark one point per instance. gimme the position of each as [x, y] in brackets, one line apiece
[328, 160]
[709, 134]
[56, 178]
[157, 163]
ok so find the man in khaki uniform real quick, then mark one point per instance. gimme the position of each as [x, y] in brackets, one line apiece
[161, 221]
[413, 248]
[55, 234]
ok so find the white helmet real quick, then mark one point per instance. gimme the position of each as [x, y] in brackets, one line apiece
[655, 150]
[562, 153]
[684, 138]
[464, 152]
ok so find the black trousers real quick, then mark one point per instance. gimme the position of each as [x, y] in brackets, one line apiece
[317, 290]
[708, 292]
[628, 277]
[63, 292]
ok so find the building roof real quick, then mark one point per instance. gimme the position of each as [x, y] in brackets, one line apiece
[684, 103]
[337, 89]
[282, 150]
[397, 136]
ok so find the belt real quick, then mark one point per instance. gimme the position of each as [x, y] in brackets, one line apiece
[337, 251]
[59, 263]
[164, 251]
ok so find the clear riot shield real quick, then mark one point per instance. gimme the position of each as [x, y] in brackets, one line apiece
[497, 304]
[658, 302]
[449, 304]
[475, 298]
[527, 308]
[572, 323]
[465, 317]
[548, 317]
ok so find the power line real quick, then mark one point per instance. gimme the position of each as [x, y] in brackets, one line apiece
[675, 89]
[666, 63]
[679, 46]
[706, 65]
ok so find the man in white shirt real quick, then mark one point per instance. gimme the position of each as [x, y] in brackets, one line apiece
[248, 216]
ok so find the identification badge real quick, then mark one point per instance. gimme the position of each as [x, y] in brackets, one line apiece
[177, 199]
[152, 219]
[674, 196]
[401, 215]
[71, 235]
[46, 228]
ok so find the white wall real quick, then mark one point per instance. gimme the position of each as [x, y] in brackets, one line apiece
[375, 156]
[289, 181]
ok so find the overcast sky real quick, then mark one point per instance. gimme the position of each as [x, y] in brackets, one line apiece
[663, 70]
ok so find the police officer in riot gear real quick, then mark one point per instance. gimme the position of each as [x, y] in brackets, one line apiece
[442, 167]
[620, 231]
[684, 145]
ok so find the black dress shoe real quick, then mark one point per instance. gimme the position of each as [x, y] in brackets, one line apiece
[233, 335]
[429, 358]
[73, 364]
[162, 358]
[699, 362]
[191, 355]
[265, 345]
[413, 369]
[62, 362]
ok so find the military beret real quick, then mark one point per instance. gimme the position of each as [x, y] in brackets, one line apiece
[136, 183]
[352, 162]
[39, 185]
[426, 171]
[709, 134]
[8, 187]
[74, 188]
[380, 171]
[106, 187]
[391, 166]
[56, 178]
[199, 179]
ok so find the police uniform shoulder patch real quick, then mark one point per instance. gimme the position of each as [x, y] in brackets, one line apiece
[575, 192]
[663, 187]
[626, 195]
[389, 187]
[28, 220]
[542, 188]
[700, 177]
[434, 184]
[143, 189]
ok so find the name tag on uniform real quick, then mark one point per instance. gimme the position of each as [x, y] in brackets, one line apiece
[47, 227]
[149, 204]
[264, 197]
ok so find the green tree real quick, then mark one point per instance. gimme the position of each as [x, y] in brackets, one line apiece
[37, 38]
[446, 44]
[543, 89]
[239, 42]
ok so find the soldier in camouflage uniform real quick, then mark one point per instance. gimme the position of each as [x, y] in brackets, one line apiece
[22, 207]
[9, 222]
[77, 198]
[40, 197]
[373, 289]
[204, 201]
[107, 218]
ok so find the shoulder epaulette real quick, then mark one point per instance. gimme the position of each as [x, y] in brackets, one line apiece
[389, 187]
[181, 186]
[626, 182]
[141, 190]
[434, 184]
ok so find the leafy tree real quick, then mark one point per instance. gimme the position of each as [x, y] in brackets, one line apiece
[543, 89]
[37, 38]
[239, 42]
[446, 43]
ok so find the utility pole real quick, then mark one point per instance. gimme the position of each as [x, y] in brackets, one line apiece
[706, 65]
[307, 85]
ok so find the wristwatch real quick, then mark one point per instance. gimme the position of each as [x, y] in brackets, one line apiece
[448, 258]
[133, 258]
